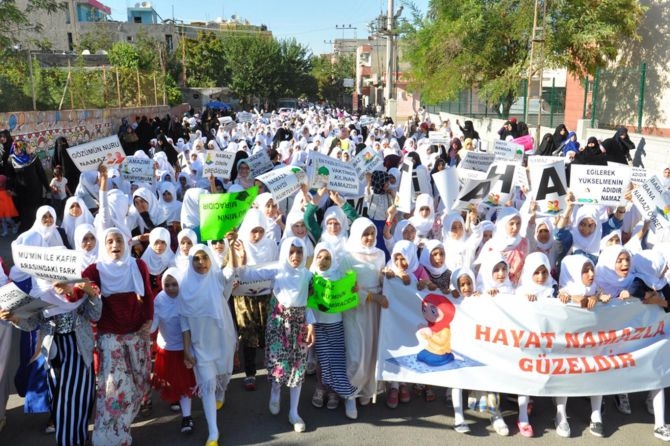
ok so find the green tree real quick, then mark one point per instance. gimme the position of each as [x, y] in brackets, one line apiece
[485, 44]
[96, 41]
[124, 55]
[329, 75]
[295, 67]
[17, 18]
[204, 60]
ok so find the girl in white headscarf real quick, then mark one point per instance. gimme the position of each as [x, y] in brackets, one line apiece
[290, 330]
[209, 331]
[508, 242]
[493, 277]
[455, 240]
[251, 311]
[167, 199]
[330, 347]
[577, 283]
[433, 259]
[295, 227]
[613, 271]
[186, 238]
[123, 337]
[536, 281]
[158, 256]
[423, 218]
[275, 225]
[45, 226]
[145, 214]
[75, 213]
[85, 242]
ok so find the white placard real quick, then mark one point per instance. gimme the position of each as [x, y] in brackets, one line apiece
[367, 161]
[507, 150]
[330, 172]
[283, 182]
[259, 163]
[504, 178]
[218, 163]
[599, 185]
[367, 120]
[19, 303]
[49, 263]
[244, 117]
[137, 169]
[474, 165]
[89, 156]
[549, 187]
[256, 288]
[436, 138]
[638, 175]
[652, 200]
[446, 183]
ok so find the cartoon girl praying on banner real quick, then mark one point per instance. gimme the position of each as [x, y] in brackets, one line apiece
[438, 312]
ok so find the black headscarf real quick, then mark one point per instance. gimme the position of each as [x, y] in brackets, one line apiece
[618, 147]
[558, 138]
[469, 131]
[591, 154]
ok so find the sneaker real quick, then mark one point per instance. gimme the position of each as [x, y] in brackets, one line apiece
[333, 401]
[596, 428]
[317, 398]
[562, 428]
[175, 407]
[650, 404]
[404, 395]
[392, 399]
[298, 424]
[662, 433]
[250, 383]
[525, 429]
[350, 408]
[50, 429]
[186, 425]
[462, 428]
[499, 425]
[622, 403]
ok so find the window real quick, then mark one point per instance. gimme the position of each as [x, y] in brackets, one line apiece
[129, 38]
[137, 19]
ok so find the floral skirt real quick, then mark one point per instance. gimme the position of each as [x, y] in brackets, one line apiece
[285, 346]
[171, 377]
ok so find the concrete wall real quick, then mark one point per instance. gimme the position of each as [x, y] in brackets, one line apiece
[41, 128]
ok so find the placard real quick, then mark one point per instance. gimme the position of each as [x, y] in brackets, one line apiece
[89, 156]
[220, 213]
[599, 185]
[549, 186]
[244, 117]
[49, 263]
[504, 177]
[218, 163]
[333, 296]
[367, 161]
[367, 120]
[638, 175]
[507, 151]
[255, 288]
[653, 202]
[446, 183]
[283, 182]
[19, 303]
[330, 172]
[474, 165]
[137, 169]
[437, 138]
[259, 163]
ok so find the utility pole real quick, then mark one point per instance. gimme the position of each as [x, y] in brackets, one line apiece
[536, 65]
[389, 58]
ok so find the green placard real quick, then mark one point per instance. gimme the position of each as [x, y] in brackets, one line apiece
[333, 296]
[220, 213]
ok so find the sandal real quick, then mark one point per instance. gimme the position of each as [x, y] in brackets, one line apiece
[404, 394]
[333, 401]
[392, 399]
[317, 398]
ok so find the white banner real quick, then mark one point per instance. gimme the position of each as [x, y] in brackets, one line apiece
[218, 163]
[367, 161]
[652, 200]
[337, 175]
[508, 344]
[549, 186]
[507, 151]
[90, 155]
[137, 169]
[259, 163]
[600, 185]
[283, 182]
[49, 263]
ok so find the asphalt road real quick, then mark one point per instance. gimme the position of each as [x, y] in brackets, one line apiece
[245, 420]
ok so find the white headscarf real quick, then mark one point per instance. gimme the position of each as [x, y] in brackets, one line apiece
[157, 263]
[423, 225]
[201, 295]
[265, 249]
[408, 250]
[501, 241]
[173, 208]
[91, 256]
[606, 276]
[425, 258]
[292, 218]
[333, 272]
[337, 242]
[458, 273]
[49, 234]
[156, 213]
[354, 242]
[590, 244]
[570, 280]
[649, 265]
[291, 281]
[544, 247]
[527, 285]
[399, 229]
[70, 223]
[181, 260]
[485, 281]
[118, 276]
[190, 211]
[169, 308]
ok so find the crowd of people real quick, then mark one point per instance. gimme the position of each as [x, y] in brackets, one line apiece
[157, 306]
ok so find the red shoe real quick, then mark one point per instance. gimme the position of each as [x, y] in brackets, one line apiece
[525, 429]
[404, 394]
[250, 383]
[392, 399]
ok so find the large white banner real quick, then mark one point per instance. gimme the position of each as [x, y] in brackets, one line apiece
[508, 344]
[90, 155]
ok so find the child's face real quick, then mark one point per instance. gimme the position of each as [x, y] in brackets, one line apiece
[74, 210]
[622, 264]
[243, 171]
[457, 229]
[295, 256]
[409, 233]
[400, 262]
[114, 245]
[257, 234]
[333, 226]
[666, 172]
[513, 226]
[614, 240]
[88, 242]
[201, 262]
[486, 236]
[465, 286]
[299, 229]
[167, 196]
[219, 246]
[431, 313]
[47, 219]
[437, 257]
[159, 246]
[323, 260]
[543, 234]
[185, 245]
[588, 274]
[369, 237]
[270, 207]
[424, 211]
[140, 204]
[171, 287]
[540, 275]
[586, 227]
[182, 181]
[500, 272]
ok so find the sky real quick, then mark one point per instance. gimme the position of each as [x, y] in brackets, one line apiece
[310, 22]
